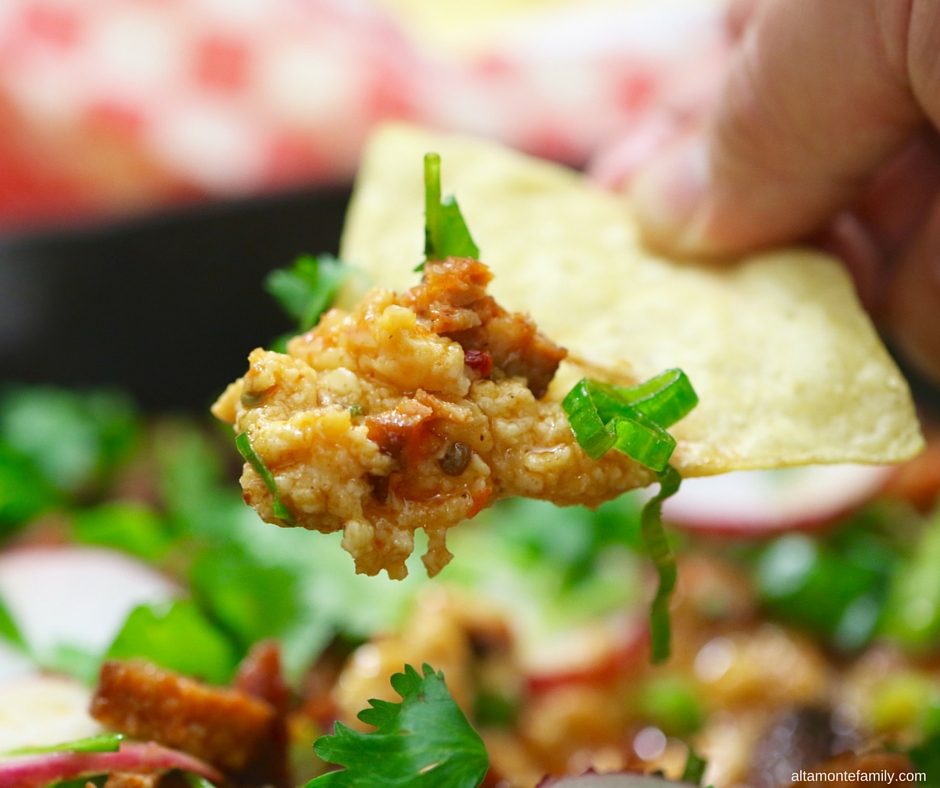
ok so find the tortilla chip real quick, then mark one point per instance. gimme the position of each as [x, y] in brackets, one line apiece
[787, 366]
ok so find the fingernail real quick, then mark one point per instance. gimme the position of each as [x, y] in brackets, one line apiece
[668, 192]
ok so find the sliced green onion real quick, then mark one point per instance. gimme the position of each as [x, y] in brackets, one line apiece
[243, 444]
[644, 440]
[445, 231]
[665, 399]
[103, 742]
[197, 780]
[630, 419]
[589, 428]
[694, 768]
[654, 538]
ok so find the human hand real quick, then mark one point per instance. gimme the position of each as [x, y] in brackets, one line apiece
[825, 129]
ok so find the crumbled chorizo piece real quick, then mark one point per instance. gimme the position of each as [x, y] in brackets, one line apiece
[413, 411]
[222, 726]
[453, 299]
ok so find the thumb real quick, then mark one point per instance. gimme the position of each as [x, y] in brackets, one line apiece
[913, 300]
[818, 95]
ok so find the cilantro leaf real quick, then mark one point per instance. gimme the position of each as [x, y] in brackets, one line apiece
[24, 491]
[9, 631]
[423, 741]
[307, 289]
[74, 439]
[445, 231]
[178, 637]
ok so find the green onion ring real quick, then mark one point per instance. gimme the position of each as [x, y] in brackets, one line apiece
[654, 538]
[630, 419]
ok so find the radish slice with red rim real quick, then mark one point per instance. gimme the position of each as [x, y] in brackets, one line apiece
[759, 503]
[38, 771]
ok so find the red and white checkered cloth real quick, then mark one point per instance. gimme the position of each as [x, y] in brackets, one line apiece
[114, 106]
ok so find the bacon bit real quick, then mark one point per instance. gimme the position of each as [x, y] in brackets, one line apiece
[222, 726]
[450, 294]
[395, 430]
[481, 361]
[452, 297]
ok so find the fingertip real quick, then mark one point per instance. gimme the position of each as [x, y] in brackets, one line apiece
[913, 308]
[669, 194]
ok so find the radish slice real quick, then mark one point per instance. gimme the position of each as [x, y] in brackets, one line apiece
[591, 654]
[75, 596]
[611, 780]
[38, 771]
[44, 710]
[758, 503]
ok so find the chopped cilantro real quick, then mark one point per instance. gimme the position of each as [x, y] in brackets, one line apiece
[24, 491]
[8, 628]
[926, 758]
[74, 439]
[178, 637]
[249, 600]
[445, 231]
[423, 741]
[125, 525]
[307, 289]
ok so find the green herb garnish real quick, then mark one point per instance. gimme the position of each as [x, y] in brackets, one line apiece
[654, 537]
[694, 768]
[243, 444]
[308, 288]
[445, 231]
[103, 742]
[178, 637]
[197, 780]
[423, 742]
[631, 419]
[634, 420]
[9, 631]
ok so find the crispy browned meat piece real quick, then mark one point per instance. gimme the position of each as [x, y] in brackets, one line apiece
[453, 299]
[222, 726]
[413, 411]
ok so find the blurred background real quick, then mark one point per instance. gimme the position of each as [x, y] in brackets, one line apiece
[158, 158]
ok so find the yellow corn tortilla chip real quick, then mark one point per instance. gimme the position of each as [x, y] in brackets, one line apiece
[787, 366]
